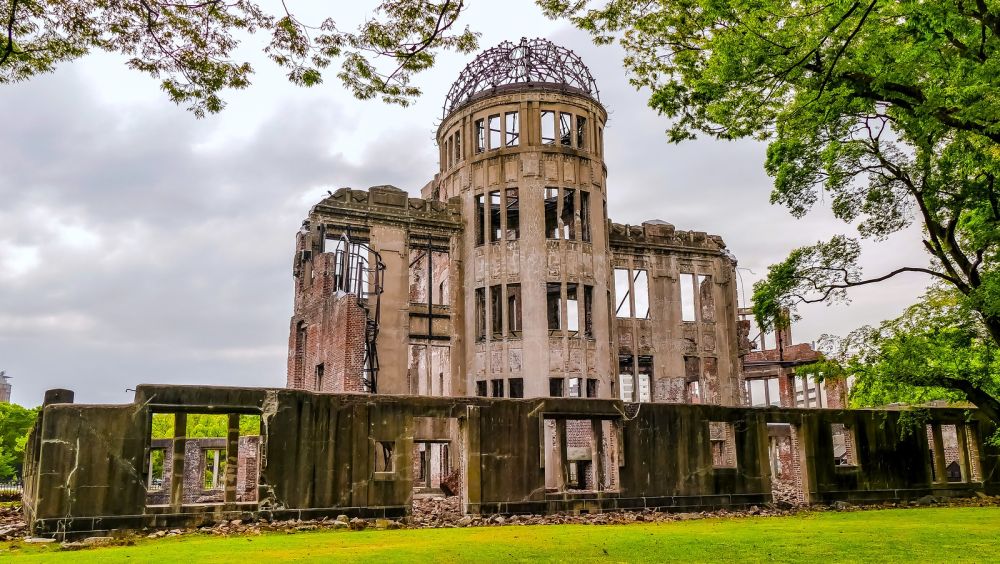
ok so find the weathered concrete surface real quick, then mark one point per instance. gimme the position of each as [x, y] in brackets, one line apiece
[86, 465]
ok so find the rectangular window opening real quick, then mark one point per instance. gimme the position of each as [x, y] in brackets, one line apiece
[553, 302]
[592, 387]
[568, 216]
[843, 445]
[495, 132]
[572, 308]
[513, 215]
[585, 216]
[480, 219]
[687, 296]
[496, 388]
[156, 473]
[481, 388]
[575, 388]
[516, 387]
[581, 132]
[513, 309]
[645, 379]
[458, 146]
[640, 291]
[480, 136]
[707, 298]
[495, 213]
[624, 307]
[626, 377]
[565, 129]
[319, 377]
[513, 129]
[556, 387]
[588, 311]
[551, 213]
[496, 311]
[214, 469]
[480, 296]
[548, 127]
[384, 456]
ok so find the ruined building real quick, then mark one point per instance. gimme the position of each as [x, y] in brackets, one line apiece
[498, 339]
[506, 278]
[5, 387]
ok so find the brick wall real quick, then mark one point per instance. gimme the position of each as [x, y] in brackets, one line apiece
[194, 470]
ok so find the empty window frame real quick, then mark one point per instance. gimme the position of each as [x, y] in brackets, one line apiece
[692, 378]
[301, 335]
[318, 382]
[447, 150]
[592, 387]
[156, 472]
[552, 213]
[687, 296]
[214, 472]
[556, 387]
[351, 266]
[515, 387]
[723, 441]
[496, 388]
[457, 146]
[581, 132]
[574, 387]
[588, 311]
[548, 127]
[572, 308]
[553, 305]
[495, 132]
[707, 299]
[481, 388]
[843, 445]
[429, 279]
[480, 129]
[565, 129]
[513, 309]
[568, 214]
[480, 296]
[584, 216]
[480, 219]
[626, 377]
[763, 392]
[645, 379]
[384, 456]
[512, 129]
[496, 211]
[496, 310]
[513, 214]
[632, 292]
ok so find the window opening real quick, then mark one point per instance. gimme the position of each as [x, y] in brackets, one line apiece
[565, 129]
[548, 127]
[626, 377]
[480, 314]
[551, 213]
[383, 456]
[496, 311]
[591, 387]
[481, 388]
[513, 309]
[215, 468]
[581, 132]
[692, 376]
[588, 311]
[447, 152]
[458, 146]
[568, 215]
[516, 387]
[513, 215]
[843, 445]
[556, 387]
[553, 302]
[513, 129]
[156, 472]
[480, 136]
[495, 133]
[319, 377]
[624, 309]
[723, 440]
[574, 387]
[495, 212]
[640, 292]
[572, 309]
[585, 216]
[687, 296]
[480, 214]
[496, 386]
[645, 379]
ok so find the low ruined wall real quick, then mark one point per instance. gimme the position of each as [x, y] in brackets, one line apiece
[327, 454]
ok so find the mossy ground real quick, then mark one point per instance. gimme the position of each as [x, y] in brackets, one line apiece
[946, 534]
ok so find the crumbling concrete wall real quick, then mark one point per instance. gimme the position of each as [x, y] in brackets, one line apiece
[326, 454]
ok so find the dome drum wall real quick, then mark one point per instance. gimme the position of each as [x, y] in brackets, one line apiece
[527, 166]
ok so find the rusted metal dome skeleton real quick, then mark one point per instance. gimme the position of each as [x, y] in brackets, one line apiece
[531, 61]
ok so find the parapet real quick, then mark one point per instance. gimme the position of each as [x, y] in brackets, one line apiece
[390, 204]
[657, 233]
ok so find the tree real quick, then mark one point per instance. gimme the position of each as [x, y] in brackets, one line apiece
[190, 44]
[15, 424]
[203, 425]
[889, 110]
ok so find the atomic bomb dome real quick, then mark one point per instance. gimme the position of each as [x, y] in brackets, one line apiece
[531, 63]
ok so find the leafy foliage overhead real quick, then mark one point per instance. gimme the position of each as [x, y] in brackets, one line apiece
[191, 45]
[15, 424]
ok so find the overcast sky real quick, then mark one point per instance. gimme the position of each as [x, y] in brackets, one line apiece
[139, 244]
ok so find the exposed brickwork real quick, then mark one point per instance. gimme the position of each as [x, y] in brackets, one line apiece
[194, 470]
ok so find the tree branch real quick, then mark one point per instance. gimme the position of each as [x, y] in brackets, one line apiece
[10, 32]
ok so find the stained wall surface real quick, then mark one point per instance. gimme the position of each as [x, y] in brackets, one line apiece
[322, 454]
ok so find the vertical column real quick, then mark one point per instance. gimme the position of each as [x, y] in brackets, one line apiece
[232, 457]
[177, 468]
[561, 467]
[472, 492]
[963, 452]
[597, 452]
[939, 466]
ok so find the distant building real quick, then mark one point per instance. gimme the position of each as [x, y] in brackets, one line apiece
[4, 387]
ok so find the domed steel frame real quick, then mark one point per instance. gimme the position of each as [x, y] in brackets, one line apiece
[532, 61]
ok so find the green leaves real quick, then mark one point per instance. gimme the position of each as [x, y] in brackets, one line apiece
[15, 424]
[190, 45]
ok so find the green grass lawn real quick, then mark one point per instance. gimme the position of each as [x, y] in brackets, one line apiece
[966, 534]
